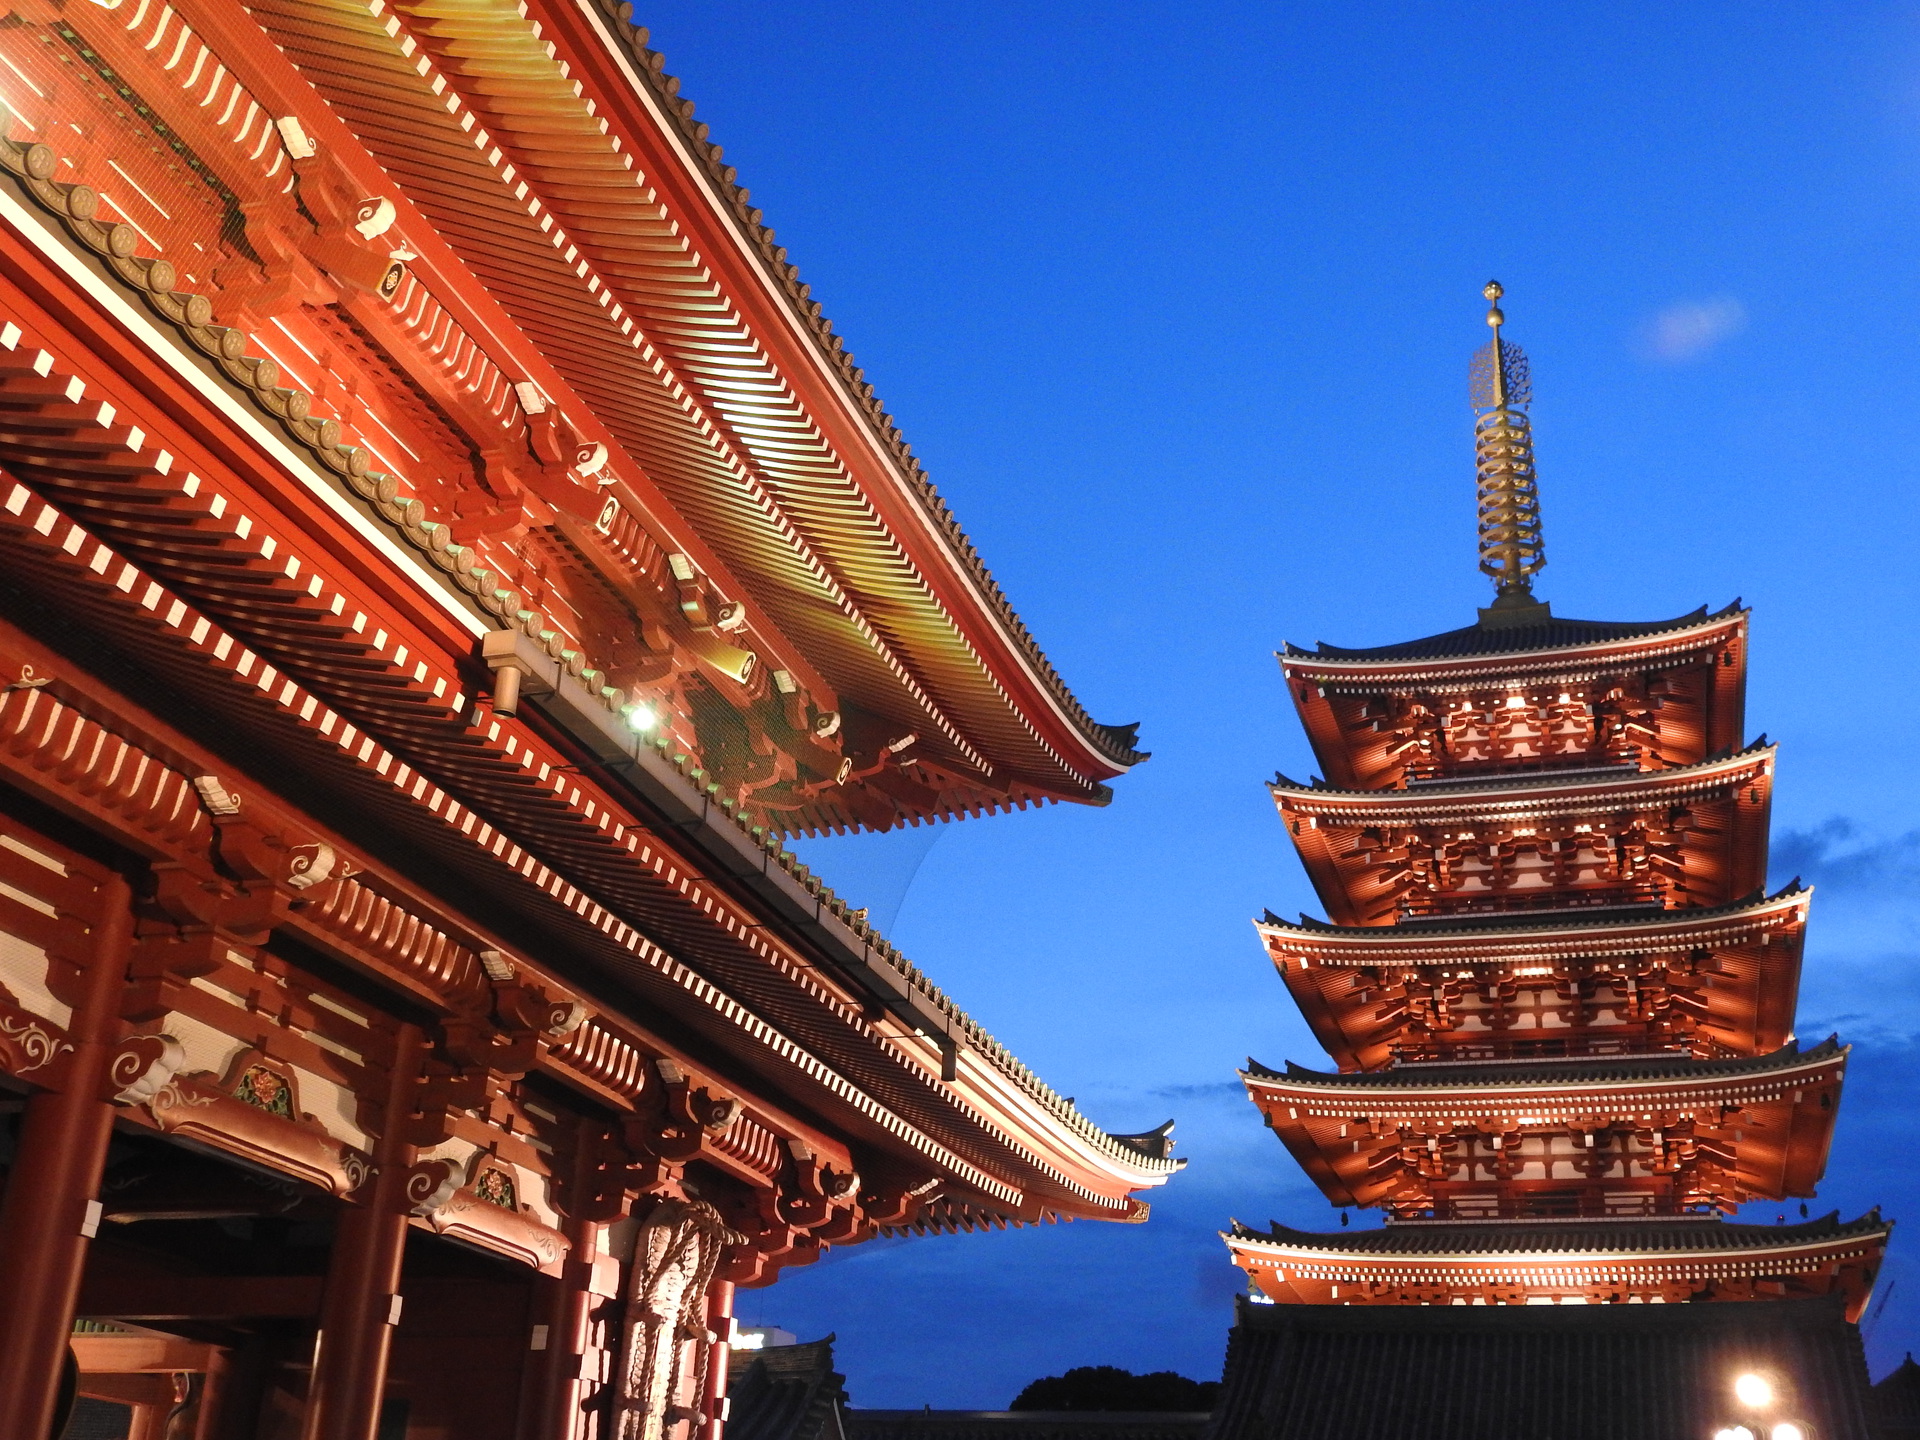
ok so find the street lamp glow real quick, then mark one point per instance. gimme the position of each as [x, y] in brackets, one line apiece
[1753, 1391]
[1787, 1430]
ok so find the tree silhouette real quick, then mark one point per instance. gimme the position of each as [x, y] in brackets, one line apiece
[1107, 1387]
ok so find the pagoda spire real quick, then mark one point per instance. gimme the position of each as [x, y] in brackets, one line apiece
[1511, 549]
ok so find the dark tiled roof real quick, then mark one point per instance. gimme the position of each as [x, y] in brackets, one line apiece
[1024, 1425]
[1587, 1372]
[790, 1392]
[1896, 1402]
[1579, 1070]
[1553, 634]
[1569, 1237]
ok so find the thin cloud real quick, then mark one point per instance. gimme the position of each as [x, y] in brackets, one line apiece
[1216, 1090]
[1835, 854]
[1690, 329]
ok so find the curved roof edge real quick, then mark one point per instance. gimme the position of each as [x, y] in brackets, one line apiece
[1674, 1066]
[1114, 743]
[1496, 1239]
[1540, 922]
[1477, 640]
[1563, 781]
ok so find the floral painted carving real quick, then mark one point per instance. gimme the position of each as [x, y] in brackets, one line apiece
[265, 1089]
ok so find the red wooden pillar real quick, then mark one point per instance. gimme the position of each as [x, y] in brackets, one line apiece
[720, 1323]
[361, 1304]
[45, 1220]
[565, 1373]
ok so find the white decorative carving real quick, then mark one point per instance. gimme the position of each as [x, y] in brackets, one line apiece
[312, 864]
[293, 135]
[591, 458]
[498, 967]
[430, 1186]
[36, 1044]
[216, 797]
[144, 1067]
[376, 217]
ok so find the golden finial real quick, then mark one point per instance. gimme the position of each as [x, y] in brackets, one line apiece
[1511, 549]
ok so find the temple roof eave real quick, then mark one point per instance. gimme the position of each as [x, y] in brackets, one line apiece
[881, 453]
[1627, 1072]
[1474, 645]
[1566, 791]
[1549, 926]
[1538, 1241]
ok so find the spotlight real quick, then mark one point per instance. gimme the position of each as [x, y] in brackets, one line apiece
[1753, 1392]
[1787, 1430]
[1735, 1432]
[642, 717]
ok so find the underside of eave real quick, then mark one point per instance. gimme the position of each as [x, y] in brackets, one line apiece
[1113, 743]
[465, 197]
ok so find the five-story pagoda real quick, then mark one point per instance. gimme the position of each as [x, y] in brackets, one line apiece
[1558, 996]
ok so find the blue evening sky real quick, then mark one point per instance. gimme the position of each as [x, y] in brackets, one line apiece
[1176, 304]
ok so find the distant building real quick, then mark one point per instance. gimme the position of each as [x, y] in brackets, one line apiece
[761, 1337]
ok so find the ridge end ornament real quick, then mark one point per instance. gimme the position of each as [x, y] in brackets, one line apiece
[1512, 550]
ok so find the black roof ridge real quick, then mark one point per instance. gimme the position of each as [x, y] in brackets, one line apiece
[1573, 917]
[1441, 1075]
[1042, 1417]
[1552, 633]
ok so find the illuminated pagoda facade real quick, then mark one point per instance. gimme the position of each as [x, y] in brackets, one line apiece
[1558, 998]
[444, 553]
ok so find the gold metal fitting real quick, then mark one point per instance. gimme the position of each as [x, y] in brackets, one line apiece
[1512, 550]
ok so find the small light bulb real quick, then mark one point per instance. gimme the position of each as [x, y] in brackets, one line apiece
[1741, 1432]
[1787, 1430]
[1725, 1433]
[1753, 1391]
[642, 717]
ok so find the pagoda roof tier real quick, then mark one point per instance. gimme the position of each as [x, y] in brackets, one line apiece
[1660, 695]
[1695, 1131]
[1724, 977]
[1664, 1258]
[1546, 641]
[1695, 833]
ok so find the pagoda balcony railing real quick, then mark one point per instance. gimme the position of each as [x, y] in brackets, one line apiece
[1427, 772]
[1505, 902]
[1555, 1047]
[1590, 1205]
